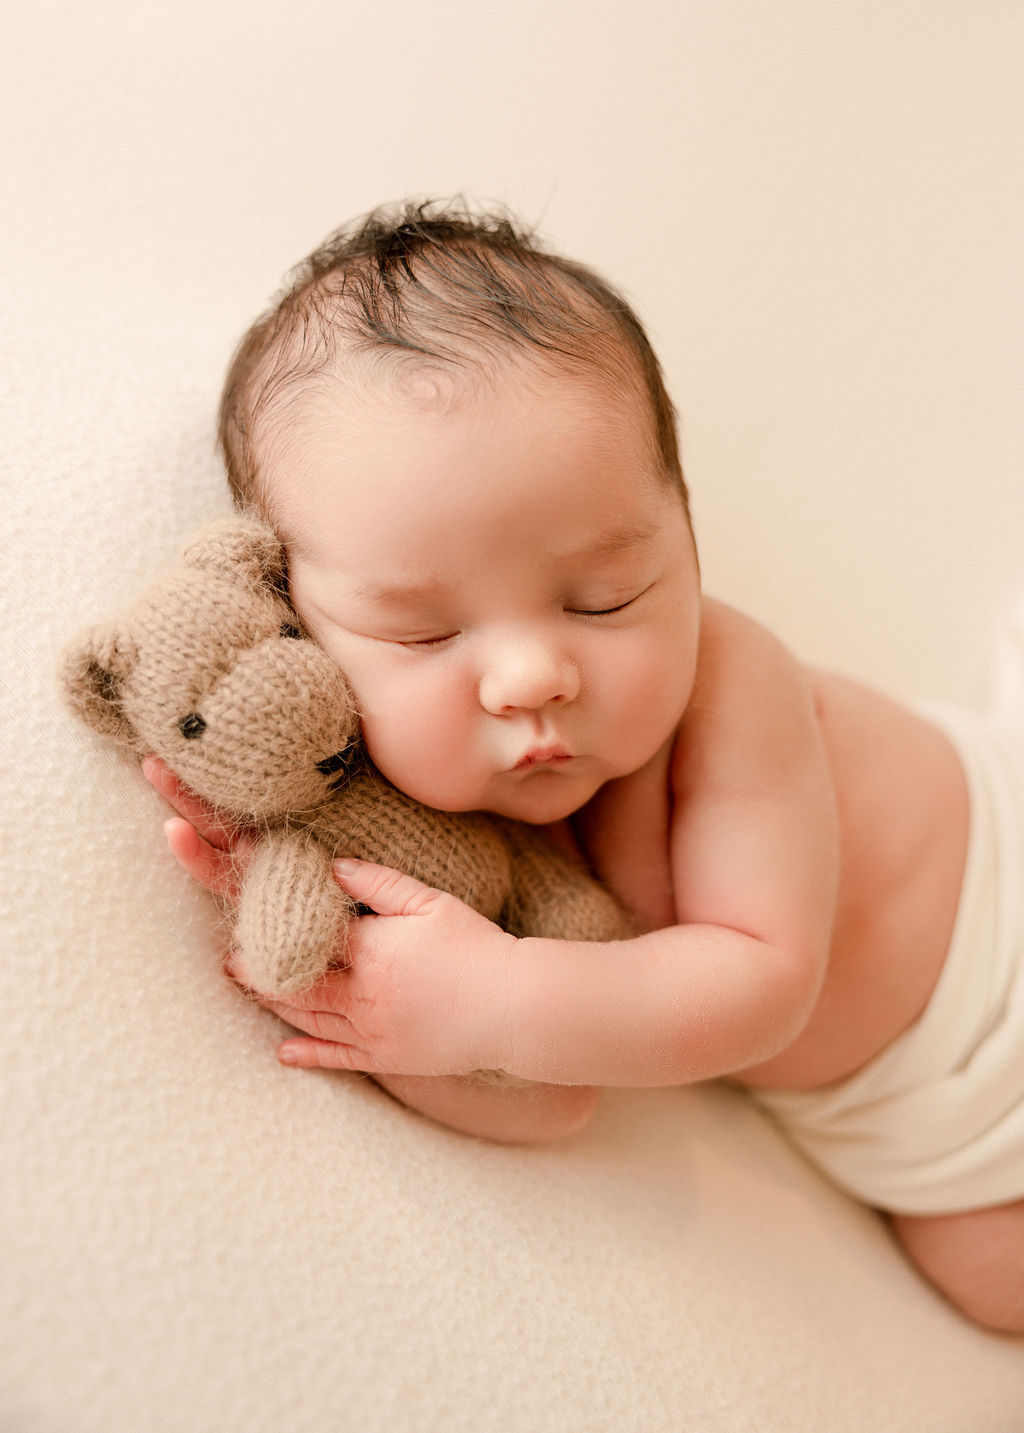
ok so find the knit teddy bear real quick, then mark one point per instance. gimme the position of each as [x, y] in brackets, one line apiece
[211, 672]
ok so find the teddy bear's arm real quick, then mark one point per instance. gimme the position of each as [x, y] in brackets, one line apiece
[292, 915]
[556, 897]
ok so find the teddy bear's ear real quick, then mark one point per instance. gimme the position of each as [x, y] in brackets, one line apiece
[241, 547]
[94, 670]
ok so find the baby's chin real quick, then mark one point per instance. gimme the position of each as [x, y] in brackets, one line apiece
[544, 797]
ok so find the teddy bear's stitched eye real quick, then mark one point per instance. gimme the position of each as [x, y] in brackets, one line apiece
[192, 726]
[289, 629]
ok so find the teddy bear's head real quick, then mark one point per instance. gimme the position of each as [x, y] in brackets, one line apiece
[211, 672]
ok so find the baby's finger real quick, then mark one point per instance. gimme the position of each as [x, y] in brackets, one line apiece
[206, 821]
[327, 1055]
[388, 892]
[310, 1054]
[216, 870]
[326, 1025]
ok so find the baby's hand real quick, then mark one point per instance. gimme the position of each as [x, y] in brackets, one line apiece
[212, 852]
[424, 991]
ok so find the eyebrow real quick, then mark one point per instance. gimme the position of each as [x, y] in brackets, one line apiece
[411, 593]
[433, 589]
[615, 541]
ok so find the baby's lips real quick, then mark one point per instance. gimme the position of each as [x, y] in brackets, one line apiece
[552, 755]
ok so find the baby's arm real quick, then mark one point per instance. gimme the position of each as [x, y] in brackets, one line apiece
[526, 1113]
[434, 989]
[754, 859]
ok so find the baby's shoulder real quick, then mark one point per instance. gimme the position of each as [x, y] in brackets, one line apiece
[731, 641]
[751, 697]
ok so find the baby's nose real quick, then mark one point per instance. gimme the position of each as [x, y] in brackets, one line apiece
[526, 673]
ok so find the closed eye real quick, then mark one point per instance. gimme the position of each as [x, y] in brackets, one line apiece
[600, 611]
[430, 641]
[606, 611]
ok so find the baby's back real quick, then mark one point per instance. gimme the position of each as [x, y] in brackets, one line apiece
[903, 817]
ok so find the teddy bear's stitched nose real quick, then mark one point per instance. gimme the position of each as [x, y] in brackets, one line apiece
[336, 768]
[331, 765]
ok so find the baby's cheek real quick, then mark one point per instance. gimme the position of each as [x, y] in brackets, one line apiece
[425, 750]
[401, 726]
[383, 703]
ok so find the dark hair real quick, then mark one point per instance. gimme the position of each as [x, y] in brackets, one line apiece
[450, 285]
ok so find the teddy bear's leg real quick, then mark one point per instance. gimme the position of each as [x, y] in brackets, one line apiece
[556, 897]
[292, 916]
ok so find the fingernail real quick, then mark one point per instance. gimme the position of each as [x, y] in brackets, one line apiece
[287, 1056]
[345, 866]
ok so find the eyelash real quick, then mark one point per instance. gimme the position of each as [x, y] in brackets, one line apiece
[574, 611]
[430, 641]
[601, 611]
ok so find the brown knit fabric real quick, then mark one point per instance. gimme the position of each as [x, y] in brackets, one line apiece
[209, 672]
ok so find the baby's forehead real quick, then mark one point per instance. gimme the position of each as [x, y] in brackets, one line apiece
[362, 405]
[389, 386]
[420, 428]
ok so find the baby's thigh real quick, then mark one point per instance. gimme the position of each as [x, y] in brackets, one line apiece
[976, 1258]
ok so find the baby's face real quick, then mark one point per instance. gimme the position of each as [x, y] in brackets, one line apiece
[510, 589]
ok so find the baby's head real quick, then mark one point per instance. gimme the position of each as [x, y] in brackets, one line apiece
[439, 291]
[467, 446]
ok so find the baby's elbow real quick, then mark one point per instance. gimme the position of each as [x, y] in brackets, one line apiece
[799, 980]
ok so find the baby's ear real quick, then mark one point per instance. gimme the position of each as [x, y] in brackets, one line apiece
[94, 670]
[241, 548]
